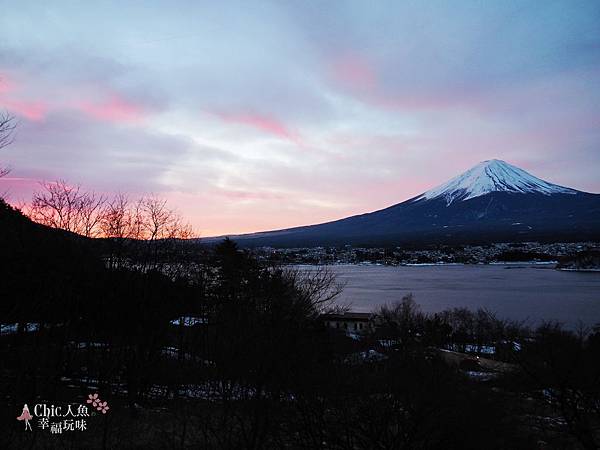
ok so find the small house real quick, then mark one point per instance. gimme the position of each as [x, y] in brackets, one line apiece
[349, 322]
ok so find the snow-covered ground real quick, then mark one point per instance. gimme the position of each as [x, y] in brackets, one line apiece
[189, 321]
[11, 328]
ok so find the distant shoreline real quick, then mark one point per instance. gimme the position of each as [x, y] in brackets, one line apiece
[567, 269]
[510, 264]
[497, 263]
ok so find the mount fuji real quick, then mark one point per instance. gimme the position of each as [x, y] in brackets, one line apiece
[493, 176]
[492, 202]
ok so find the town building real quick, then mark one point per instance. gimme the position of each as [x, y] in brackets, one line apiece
[349, 322]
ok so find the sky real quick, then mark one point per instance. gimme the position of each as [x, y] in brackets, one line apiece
[250, 116]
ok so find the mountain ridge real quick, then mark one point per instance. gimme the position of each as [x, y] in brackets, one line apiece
[491, 202]
[493, 175]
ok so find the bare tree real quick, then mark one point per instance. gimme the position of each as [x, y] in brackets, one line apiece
[55, 205]
[179, 229]
[161, 222]
[7, 127]
[147, 218]
[144, 233]
[65, 206]
[158, 218]
[317, 287]
[91, 210]
[116, 221]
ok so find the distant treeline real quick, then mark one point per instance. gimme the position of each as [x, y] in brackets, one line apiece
[588, 260]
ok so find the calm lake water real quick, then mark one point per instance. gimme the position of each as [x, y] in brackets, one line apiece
[534, 292]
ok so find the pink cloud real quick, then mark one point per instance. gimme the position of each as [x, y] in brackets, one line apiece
[354, 71]
[247, 195]
[18, 190]
[419, 102]
[5, 84]
[21, 181]
[397, 142]
[98, 102]
[113, 109]
[360, 77]
[261, 122]
[422, 101]
[31, 110]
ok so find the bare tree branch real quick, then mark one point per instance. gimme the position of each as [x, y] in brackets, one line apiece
[318, 287]
[65, 206]
[7, 127]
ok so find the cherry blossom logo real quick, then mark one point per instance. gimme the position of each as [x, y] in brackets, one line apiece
[98, 403]
[103, 407]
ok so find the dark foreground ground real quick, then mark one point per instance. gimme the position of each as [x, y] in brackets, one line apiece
[217, 350]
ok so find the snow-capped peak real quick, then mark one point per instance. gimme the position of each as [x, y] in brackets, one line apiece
[492, 176]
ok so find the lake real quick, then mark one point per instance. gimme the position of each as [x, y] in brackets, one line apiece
[533, 292]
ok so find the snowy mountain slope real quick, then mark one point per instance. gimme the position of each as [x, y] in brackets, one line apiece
[491, 202]
[492, 176]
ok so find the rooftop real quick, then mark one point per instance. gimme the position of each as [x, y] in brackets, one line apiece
[348, 316]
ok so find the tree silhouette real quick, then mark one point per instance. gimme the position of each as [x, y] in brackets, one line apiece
[7, 127]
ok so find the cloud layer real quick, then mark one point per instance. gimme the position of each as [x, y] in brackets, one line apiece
[291, 113]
